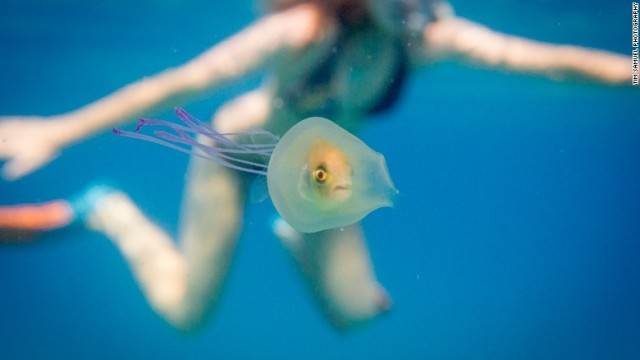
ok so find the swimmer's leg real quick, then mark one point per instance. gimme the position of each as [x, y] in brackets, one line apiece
[180, 283]
[22, 222]
[155, 261]
[336, 263]
[211, 222]
[183, 283]
[337, 266]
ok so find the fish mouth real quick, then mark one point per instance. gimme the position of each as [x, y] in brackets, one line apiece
[341, 192]
[341, 187]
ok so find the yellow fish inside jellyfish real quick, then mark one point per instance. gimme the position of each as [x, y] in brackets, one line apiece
[319, 176]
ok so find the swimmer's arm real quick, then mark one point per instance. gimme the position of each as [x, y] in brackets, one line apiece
[473, 43]
[27, 142]
[242, 53]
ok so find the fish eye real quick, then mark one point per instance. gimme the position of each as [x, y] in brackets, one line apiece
[320, 174]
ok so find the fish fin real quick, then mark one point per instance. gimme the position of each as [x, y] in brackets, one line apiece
[259, 191]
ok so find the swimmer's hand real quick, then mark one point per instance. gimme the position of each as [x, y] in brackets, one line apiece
[26, 144]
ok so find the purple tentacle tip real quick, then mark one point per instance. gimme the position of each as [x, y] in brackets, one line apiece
[141, 123]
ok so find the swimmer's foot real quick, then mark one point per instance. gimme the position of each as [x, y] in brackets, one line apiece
[102, 206]
[85, 202]
[114, 214]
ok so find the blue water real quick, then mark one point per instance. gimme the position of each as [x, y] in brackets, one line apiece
[516, 235]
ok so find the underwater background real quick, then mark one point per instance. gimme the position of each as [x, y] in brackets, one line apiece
[516, 234]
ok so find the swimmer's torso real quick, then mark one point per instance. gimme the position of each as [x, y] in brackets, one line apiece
[354, 68]
[342, 75]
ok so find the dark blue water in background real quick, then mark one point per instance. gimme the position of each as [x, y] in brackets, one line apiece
[516, 235]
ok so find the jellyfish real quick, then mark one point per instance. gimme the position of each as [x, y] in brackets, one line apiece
[318, 175]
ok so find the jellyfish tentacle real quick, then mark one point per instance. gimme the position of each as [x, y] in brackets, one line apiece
[203, 128]
[151, 122]
[152, 139]
[224, 151]
[211, 150]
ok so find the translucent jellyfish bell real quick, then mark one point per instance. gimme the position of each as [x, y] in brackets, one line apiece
[319, 176]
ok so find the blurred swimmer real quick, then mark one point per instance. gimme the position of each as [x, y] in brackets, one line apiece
[341, 59]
